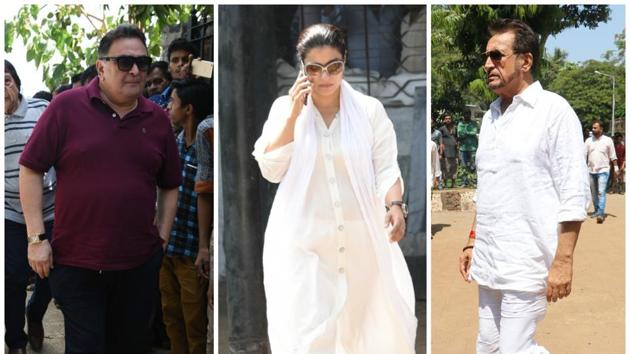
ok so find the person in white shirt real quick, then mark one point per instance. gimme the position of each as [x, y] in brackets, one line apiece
[436, 171]
[532, 196]
[600, 151]
[335, 279]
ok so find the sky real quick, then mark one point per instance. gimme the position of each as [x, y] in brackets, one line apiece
[582, 43]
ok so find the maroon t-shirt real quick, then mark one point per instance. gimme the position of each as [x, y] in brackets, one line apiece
[108, 171]
[620, 151]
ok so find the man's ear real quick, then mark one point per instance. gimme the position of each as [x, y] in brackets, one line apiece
[189, 110]
[100, 69]
[528, 62]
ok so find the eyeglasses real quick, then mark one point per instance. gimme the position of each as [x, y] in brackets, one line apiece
[334, 68]
[126, 62]
[494, 55]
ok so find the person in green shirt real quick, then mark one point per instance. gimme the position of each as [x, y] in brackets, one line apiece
[467, 131]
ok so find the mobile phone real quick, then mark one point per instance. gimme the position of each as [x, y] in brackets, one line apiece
[304, 72]
[202, 68]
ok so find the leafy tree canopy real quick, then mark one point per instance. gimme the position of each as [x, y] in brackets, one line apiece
[53, 31]
[460, 33]
[590, 93]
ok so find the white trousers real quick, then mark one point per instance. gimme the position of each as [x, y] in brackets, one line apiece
[507, 321]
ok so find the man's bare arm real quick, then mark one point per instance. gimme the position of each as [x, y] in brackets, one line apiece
[465, 258]
[204, 217]
[40, 256]
[561, 272]
[166, 209]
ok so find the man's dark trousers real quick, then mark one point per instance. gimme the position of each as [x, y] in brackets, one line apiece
[107, 311]
[16, 274]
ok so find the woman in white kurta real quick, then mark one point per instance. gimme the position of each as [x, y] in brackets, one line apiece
[335, 279]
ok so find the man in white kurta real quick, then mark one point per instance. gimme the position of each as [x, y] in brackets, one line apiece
[531, 198]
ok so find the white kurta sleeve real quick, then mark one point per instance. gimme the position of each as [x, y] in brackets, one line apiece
[384, 150]
[567, 165]
[436, 171]
[274, 164]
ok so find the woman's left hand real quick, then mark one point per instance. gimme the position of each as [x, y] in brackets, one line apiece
[396, 219]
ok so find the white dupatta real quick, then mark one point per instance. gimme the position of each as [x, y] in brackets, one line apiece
[284, 258]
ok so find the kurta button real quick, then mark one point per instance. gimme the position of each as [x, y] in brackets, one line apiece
[114, 115]
[341, 270]
[328, 156]
[342, 249]
[337, 204]
[326, 135]
[340, 228]
[332, 180]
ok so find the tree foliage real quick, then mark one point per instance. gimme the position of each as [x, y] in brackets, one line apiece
[53, 31]
[590, 94]
[460, 34]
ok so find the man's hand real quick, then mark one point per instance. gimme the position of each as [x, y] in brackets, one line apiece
[11, 98]
[40, 258]
[203, 263]
[561, 271]
[559, 280]
[395, 218]
[465, 261]
[187, 68]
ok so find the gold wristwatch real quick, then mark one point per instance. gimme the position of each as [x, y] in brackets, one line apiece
[36, 238]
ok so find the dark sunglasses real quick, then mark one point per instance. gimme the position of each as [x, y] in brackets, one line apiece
[333, 68]
[495, 55]
[125, 62]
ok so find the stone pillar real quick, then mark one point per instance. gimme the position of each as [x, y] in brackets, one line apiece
[247, 88]
[414, 244]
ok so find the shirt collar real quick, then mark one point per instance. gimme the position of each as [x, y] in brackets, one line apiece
[94, 92]
[529, 96]
[21, 109]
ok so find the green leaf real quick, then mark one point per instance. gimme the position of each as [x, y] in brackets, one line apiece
[59, 71]
[155, 50]
[34, 11]
[30, 54]
[9, 33]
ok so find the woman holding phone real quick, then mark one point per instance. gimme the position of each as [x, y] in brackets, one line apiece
[335, 278]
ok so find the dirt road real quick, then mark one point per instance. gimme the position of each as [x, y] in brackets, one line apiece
[590, 320]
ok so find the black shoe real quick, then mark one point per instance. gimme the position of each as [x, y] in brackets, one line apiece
[600, 219]
[35, 335]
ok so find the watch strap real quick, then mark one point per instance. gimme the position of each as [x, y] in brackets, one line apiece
[36, 238]
[400, 203]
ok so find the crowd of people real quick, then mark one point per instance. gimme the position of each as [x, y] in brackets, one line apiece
[108, 189]
[453, 145]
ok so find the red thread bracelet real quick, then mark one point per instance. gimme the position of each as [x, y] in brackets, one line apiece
[472, 234]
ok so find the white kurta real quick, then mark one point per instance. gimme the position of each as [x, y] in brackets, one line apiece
[531, 177]
[325, 290]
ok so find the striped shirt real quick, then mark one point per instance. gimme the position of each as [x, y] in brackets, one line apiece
[18, 127]
[203, 144]
[184, 240]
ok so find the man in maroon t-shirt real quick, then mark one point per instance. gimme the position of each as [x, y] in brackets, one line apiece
[112, 150]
